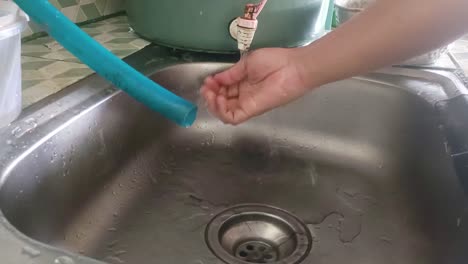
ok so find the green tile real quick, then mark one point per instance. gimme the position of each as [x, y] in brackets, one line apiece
[81, 17]
[121, 40]
[101, 5]
[90, 11]
[40, 41]
[93, 25]
[29, 83]
[66, 3]
[35, 54]
[91, 30]
[123, 53]
[118, 20]
[94, 34]
[35, 27]
[120, 30]
[35, 65]
[55, 3]
[77, 72]
[74, 59]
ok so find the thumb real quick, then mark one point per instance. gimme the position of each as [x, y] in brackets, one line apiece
[232, 75]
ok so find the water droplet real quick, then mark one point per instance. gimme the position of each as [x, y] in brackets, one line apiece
[114, 259]
[386, 239]
[64, 260]
[313, 175]
[31, 122]
[112, 243]
[17, 132]
[119, 252]
[31, 252]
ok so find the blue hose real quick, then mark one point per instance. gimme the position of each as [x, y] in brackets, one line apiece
[106, 64]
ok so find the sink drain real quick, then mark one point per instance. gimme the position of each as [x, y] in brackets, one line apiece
[256, 252]
[258, 234]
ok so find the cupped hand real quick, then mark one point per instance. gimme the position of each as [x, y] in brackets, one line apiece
[259, 82]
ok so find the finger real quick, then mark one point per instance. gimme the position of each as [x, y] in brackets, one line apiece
[224, 114]
[239, 116]
[204, 90]
[210, 98]
[230, 112]
[211, 84]
[233, 91]
[223, 91]
[233, 75]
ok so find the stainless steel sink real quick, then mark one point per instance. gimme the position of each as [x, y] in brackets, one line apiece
[358, 171]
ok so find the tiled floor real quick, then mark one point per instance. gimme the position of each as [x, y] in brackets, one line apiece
[80, 11]
[48, 67]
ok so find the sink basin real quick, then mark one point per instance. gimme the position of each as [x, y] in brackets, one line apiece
[361, 165]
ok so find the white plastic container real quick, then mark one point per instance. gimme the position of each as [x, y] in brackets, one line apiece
[12, 23]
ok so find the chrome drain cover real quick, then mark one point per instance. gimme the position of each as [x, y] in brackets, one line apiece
[255, 233]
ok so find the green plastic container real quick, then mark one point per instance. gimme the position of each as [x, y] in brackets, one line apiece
[203, 25]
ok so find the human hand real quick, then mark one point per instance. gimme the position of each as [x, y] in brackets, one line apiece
[265, 79]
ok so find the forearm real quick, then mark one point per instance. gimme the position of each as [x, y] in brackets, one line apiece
[386, 33]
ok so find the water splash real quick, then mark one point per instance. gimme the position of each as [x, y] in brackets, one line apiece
[28, 126]
[30, 252]
[114, 259]
[64, 260]
[313, 175]
[17, 132]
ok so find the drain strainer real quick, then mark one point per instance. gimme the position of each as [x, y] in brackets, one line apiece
[258, 234]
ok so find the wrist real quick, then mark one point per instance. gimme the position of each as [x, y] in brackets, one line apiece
[307, 67]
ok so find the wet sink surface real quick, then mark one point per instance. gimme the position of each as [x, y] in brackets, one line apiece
[361, 164]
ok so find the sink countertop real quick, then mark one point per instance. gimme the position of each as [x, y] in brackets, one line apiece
[49, 68]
